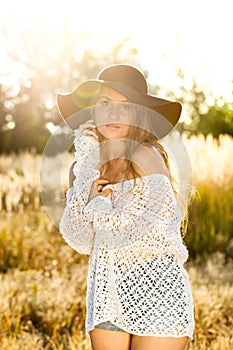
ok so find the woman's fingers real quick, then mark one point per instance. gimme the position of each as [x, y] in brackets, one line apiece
[88, 125]
[91, 134]
[105, 193]
[97, 189]
[100, 183]
[88, 129]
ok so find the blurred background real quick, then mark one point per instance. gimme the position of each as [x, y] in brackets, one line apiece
[185, 50]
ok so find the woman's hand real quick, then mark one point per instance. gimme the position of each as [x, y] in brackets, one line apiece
[89, 129]
[97, 189]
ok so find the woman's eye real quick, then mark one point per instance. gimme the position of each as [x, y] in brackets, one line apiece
[104, 103]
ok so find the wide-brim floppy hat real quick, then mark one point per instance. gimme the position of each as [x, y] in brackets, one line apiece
[130, 82]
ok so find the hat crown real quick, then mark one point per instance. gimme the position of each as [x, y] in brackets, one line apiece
[125, 74]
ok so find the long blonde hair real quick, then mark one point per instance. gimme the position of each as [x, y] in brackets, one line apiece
[141, 135]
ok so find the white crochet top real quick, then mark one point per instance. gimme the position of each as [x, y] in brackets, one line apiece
[136, 278]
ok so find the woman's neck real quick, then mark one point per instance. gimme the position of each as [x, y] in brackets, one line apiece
[120, 170]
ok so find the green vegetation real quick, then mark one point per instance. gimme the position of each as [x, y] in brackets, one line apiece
[211, 222]
[28, 110]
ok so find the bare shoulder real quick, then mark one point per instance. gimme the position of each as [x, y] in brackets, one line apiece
[148, 160]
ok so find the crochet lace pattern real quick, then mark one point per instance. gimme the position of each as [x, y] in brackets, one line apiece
[136, 277]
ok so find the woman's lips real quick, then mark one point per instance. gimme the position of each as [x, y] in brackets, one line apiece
[113, 126]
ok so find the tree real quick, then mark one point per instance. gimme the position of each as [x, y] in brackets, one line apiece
[41, 65]
[202, 116]
[217, 120]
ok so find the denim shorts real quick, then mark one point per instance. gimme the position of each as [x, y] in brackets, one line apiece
[109, 327]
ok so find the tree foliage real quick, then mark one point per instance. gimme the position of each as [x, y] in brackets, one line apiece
[43, 64]
[40, 63]
[217, 120]
[204, 113]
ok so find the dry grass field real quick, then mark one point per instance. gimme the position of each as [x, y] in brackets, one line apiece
[43, 281]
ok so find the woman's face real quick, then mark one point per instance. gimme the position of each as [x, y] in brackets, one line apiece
[113, 114]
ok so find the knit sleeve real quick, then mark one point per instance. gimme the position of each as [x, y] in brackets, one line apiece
[86, 153]
[75, 228]
[150, 205]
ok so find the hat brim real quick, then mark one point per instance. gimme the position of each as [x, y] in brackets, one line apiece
[81, 98]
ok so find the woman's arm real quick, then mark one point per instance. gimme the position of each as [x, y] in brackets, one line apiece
[151, 205]
[74, 227]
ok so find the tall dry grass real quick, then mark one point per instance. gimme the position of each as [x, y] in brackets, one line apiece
[211, 159]
[20, 173]
[211, 221]
[43, 286]
[43, 281]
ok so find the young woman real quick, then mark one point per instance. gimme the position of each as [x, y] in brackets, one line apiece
[122, 209]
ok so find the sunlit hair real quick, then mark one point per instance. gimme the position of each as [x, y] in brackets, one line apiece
[141, 136]
[141, 133]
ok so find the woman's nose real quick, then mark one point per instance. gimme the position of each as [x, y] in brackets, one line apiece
[115, 111]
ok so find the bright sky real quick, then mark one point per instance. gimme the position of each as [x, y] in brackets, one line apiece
[194, 35]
